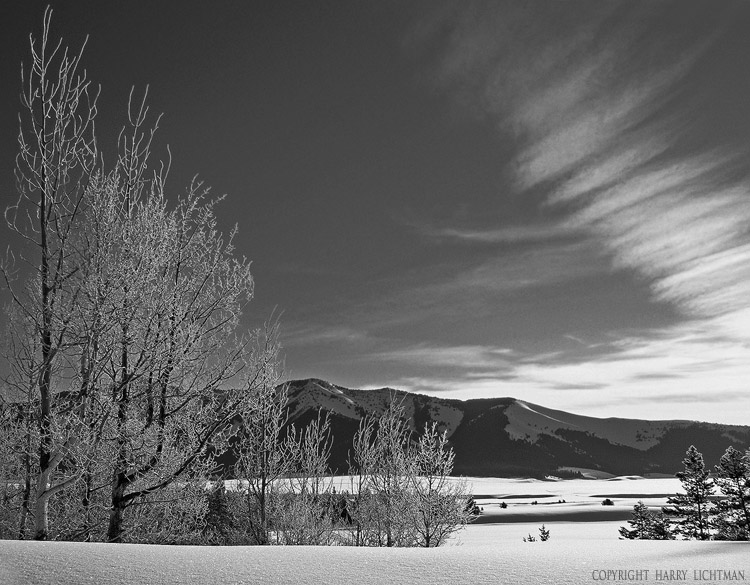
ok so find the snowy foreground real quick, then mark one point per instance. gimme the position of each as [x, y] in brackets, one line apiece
[560, 561]
[583, 548]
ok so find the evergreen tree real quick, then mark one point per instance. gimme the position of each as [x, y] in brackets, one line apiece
[733, 480]
[647, 525]
[692, 507]
[472, 508]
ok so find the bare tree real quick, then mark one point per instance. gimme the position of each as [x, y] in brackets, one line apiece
[262, 456]
[439, 505]
[382, 450]
[361, 462]
[173, 389]
[15, 471]
[131, 354]
[18, 426]
[157, 322]
[404, 495]
[304, 510]
[57, 154]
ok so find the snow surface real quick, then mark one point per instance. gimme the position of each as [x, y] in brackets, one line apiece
[569, 489]
[486, 560]
[574, 500]
[448, 415]
[579, 548]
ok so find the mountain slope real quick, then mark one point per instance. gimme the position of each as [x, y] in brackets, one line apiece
[509, 437]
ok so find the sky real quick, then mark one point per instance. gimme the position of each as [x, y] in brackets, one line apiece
[545, 199]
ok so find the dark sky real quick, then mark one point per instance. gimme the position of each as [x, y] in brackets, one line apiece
[541, 199]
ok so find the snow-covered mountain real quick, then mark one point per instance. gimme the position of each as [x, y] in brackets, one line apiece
[507, 437]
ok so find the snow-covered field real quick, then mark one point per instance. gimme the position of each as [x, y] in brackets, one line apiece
[556, 561]
[575, 500]
[582, 549]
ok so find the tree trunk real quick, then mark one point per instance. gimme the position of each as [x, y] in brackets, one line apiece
[119, 483]
[41, 515]
[263, 515]
[26, 501]
[119, 477]
[86, 504]
[41, 519]
[41, 512]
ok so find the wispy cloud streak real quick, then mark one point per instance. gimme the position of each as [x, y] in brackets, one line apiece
[611, 110]
[682, 369]
[596, 113]
[511, 234]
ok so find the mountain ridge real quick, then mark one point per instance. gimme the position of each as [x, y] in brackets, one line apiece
[507, 436]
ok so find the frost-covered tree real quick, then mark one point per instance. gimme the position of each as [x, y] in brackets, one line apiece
[733, 510]
[56, 157]
[693, 508]
[158, 329]
[15, 472]
[439, 502]
[404, 495]
[304, 513]
[127, 350]
[647, 525]
[381, 457]
[262, 458]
